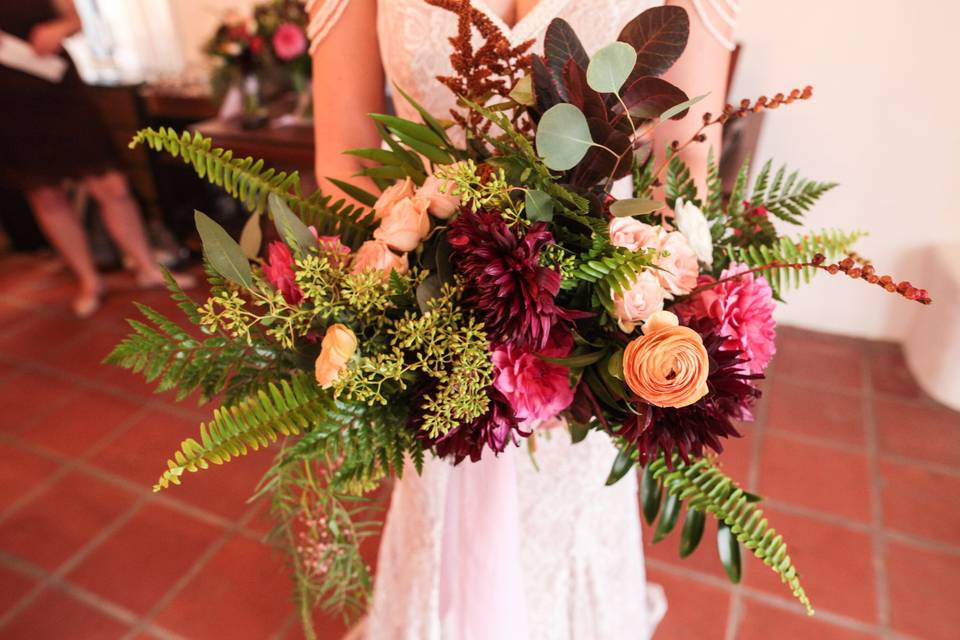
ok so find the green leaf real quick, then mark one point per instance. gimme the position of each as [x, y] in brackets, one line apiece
[222, 252]
[651, 493]
[610, 67]
[578, 432]
[621, 465]
[430, 121]
[692, 531]
[538, 205]
[290, 227]
[668, 517]
[522, 92]
[635, 207]
[362, 196]
[428, 290]
[563, 137]
[409, 129]
[615, 365]
[683, 106]
[578, 361]
[729, 550]
[252, 236]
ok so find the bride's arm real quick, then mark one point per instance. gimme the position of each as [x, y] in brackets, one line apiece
[702, 68]
[347, 84]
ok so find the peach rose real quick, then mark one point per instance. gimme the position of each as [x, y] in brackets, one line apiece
[405, 225]
[679, 270]
[632, 234]
[440, 193]
[668, 365]
[639, 302]
[375, 254]
[338, 346]
[391, 196]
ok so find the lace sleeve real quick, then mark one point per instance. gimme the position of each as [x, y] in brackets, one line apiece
[714, 12]
[325, 15]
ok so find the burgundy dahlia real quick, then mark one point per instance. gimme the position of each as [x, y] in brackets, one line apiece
[503, 280]
[688, 430]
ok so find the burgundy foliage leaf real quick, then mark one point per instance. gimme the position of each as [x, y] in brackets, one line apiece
[561, 45]
[580, 94]
[598, 164]
[659, 35]
[647, 97]
[547, 89]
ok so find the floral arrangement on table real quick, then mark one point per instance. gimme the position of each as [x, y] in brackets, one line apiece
[490, 287]
[271, 45]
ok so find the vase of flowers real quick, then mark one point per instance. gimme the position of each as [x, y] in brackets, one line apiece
[281, 25]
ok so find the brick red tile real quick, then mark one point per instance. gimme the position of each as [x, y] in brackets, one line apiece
[243, 592]
[61, 520]
[818, 359]
[85, 357]
[737, 456]
[759, 620]
[20, 472]
[141, 453]
[816, 477]
[80, 423]
[55, 616]
[694, 609]
[145, 557]
[28, 396]
[889, 372]
[835, 566]
[923, 588]
[816, 412]
[923, 431]
[40, 335]
[13, 587]
[920, 502]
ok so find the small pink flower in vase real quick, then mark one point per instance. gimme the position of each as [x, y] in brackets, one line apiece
[278, 270]
[537, 390]
[289, 42]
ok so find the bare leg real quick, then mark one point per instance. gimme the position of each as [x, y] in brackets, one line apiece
[65, 232]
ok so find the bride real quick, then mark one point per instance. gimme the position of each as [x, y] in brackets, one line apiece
[577, 568]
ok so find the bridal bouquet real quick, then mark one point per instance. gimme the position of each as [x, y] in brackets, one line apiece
[493, 286]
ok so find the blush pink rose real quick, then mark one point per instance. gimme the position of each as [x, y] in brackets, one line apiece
[632, 234]
[289, 41]
[635, 305]
[278, 270]
[392, 195]
[537, 390]
[440, 193]
[405, 224]
[742, 310]
[376, 254]
[679, 270]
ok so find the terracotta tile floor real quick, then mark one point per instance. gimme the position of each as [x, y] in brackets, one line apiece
[860, 470]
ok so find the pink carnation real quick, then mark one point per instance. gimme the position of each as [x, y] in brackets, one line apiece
[742, 310]
[278, 269]
[289, 41]
[537, 390]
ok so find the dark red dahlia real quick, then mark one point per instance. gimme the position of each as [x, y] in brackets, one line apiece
[503, 280]
[497, 428]
[688, 430]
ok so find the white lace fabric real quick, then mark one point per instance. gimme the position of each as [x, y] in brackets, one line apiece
[582, 556]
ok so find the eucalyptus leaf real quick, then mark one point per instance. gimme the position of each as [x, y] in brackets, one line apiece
[651, 493]
[290, 226]
[538, 205]
[621, 465]
[683, 106]
[252, 236]
[729, 550]
[222, 252]
[563, 137]
[692, 531]
[610, 67]
[668, 517]
[635, 207]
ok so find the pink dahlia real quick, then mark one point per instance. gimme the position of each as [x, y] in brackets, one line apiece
[278, 269]
[289, 41]
[740, 309]
[537, 390]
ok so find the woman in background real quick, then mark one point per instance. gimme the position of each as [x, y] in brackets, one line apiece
[50, 132]
[580, 548]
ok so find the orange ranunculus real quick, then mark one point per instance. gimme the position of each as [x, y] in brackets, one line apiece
[668, 365]
[338, 345]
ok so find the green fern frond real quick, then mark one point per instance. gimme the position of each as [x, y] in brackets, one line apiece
[735, 207]
[250, 182]
[713, 205]
[832, 243]
[787, 197]
[705, 488]
[283, 409]
[614, 269]
[678, 182]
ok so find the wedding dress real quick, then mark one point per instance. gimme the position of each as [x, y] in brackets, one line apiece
[580, 553]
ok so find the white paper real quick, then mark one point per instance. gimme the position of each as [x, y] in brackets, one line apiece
[18, 54]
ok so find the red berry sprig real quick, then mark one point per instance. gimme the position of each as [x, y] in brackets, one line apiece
[868, 272]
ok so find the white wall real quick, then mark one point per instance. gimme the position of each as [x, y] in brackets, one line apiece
[196, 21]
[884, 122]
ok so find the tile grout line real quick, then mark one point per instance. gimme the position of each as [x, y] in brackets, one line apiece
[876, 502]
